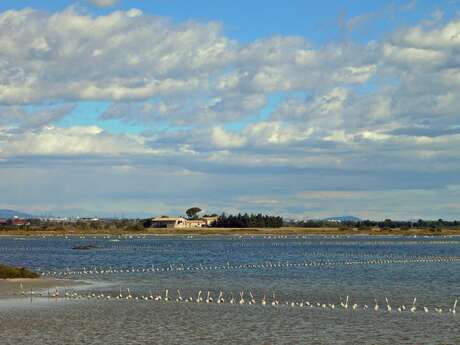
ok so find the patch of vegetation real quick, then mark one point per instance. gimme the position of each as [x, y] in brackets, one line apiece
[248, 221]
[7, 272]
[192, 213]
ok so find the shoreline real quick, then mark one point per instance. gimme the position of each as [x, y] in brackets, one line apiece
[284, 231]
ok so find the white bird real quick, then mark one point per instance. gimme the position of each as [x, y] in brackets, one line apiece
[388, 305]
[179, 297]
[208, 298]
[264, 301]
[241, 297]
[413, 308]
[253, 300]
[376, 306]
[454, 308]
[274, 301]
[220, 299]
[199, 298]
[232, 299]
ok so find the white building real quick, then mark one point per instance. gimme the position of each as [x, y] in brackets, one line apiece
[180, 222]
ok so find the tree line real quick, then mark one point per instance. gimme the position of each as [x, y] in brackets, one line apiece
[384, 224]
[248, 221]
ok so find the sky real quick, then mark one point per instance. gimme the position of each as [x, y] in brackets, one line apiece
[305, 109]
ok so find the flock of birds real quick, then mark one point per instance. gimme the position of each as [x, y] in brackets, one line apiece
[128, 242]
[245, 297]
[238, 299]
[269, 265]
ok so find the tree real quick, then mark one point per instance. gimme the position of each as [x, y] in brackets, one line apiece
[193, 212]
[248, 220]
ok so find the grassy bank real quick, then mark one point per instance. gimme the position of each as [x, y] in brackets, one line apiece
[7, 272]
[233, 231]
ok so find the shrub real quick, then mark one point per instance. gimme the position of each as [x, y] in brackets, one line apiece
[7, 272]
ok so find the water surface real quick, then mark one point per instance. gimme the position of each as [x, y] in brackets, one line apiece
[297, 269]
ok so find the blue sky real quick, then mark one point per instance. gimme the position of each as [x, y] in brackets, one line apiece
[310, 109]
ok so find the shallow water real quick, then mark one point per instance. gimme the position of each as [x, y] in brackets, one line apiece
[297, 269]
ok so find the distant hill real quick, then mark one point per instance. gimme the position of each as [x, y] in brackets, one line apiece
[343, 219]
[13, 213]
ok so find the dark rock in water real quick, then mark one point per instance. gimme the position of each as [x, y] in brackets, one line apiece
[85, 247]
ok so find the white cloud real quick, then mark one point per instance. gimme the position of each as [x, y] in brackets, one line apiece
[323, 111]
[73, 141]
[130, 56]
[381, 113]
[413, 55]
[442, 36]
[104, 3]
[276, 133]
[224, 139]
[118, 56]
[260, 134]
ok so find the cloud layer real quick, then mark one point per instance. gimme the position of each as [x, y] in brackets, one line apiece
[378, 117]
[104, 3]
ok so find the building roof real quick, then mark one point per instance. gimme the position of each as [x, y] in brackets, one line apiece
[167, 219]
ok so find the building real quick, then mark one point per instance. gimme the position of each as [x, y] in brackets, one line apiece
[210, 219]
[181, 223]
[19, 222]
[168, 222]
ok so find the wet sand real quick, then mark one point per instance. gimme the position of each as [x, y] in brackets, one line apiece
[12, 287]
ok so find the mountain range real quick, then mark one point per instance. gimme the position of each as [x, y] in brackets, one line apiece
[13, 213]
[343, 219]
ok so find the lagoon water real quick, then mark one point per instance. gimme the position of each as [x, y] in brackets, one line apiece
[297, 269]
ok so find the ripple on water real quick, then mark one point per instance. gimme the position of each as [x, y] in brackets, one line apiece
[128, 322]
[136, 322]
